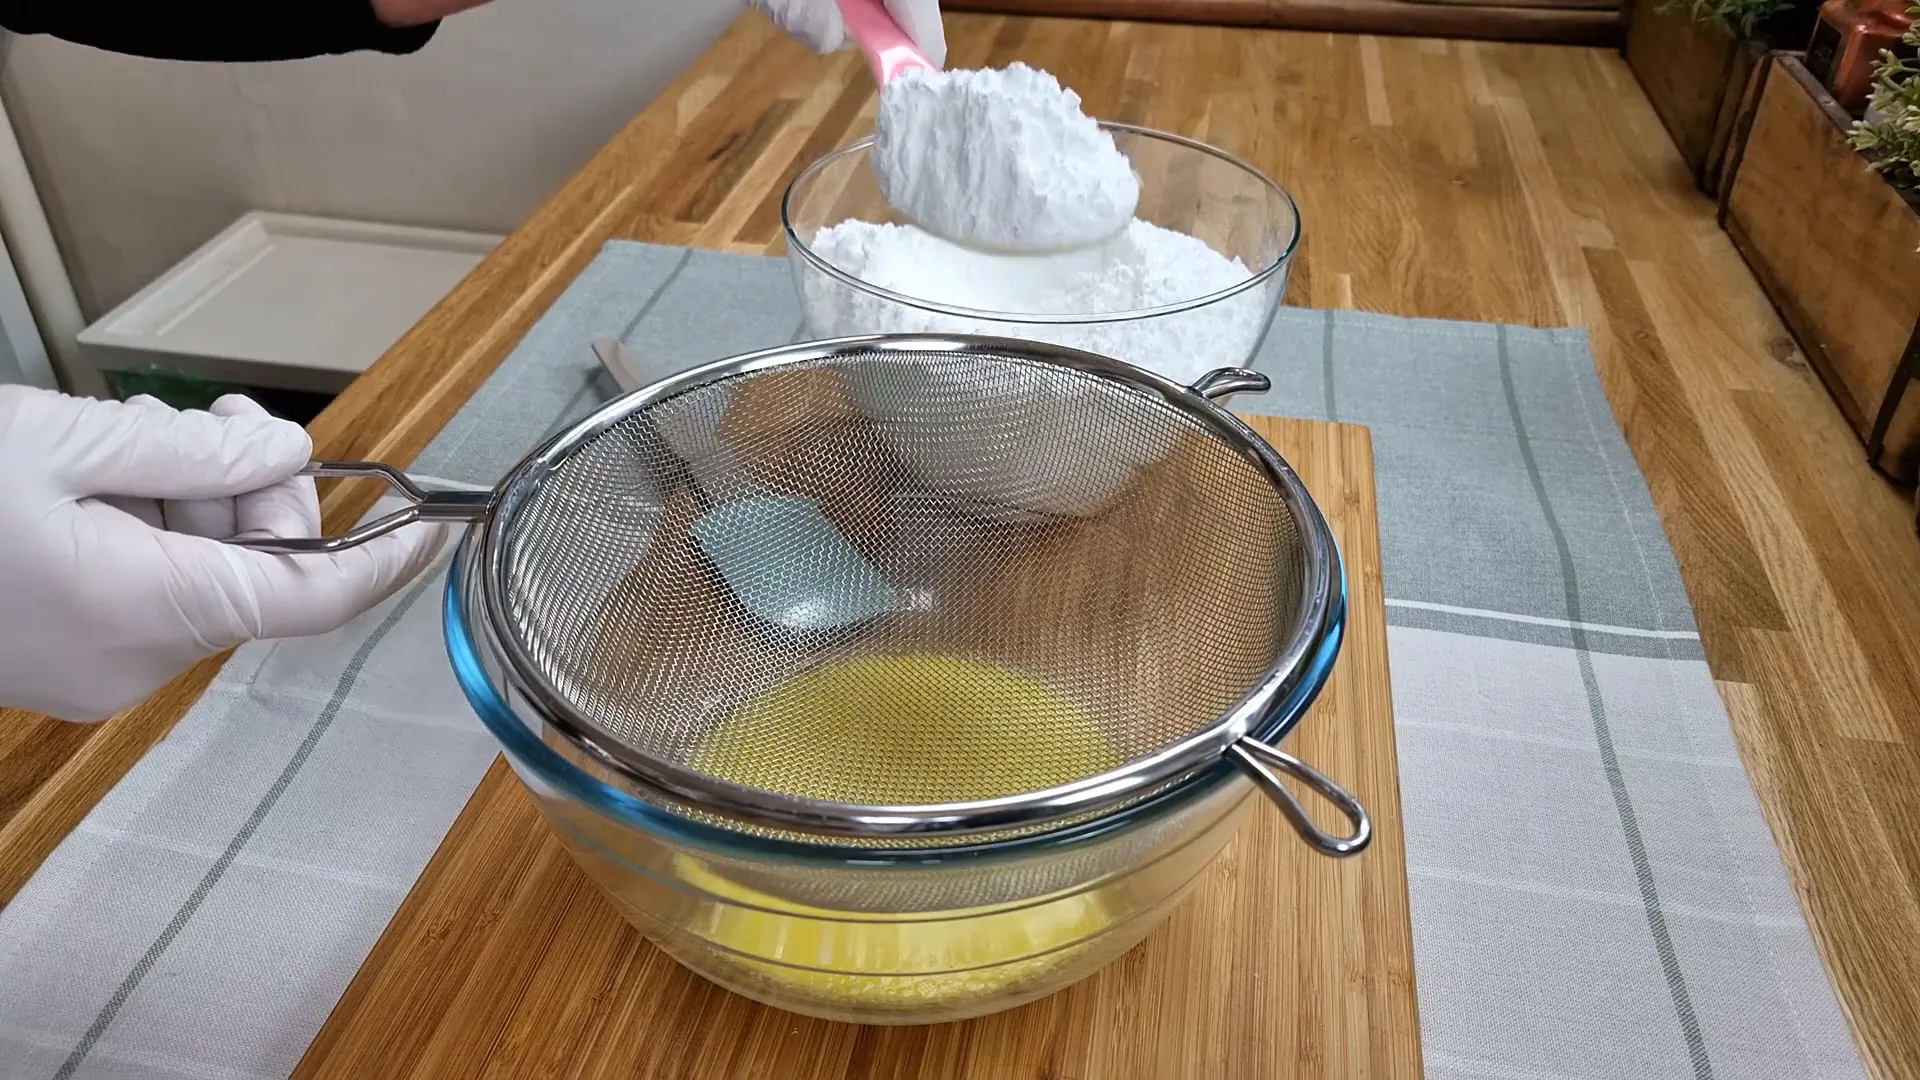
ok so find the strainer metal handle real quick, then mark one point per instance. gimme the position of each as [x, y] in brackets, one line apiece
[1222, 383]
[1259, 760]
[465, 507]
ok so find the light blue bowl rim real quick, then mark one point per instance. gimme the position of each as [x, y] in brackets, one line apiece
[628, 810]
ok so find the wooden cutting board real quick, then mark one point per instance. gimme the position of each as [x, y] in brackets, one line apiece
[505, 961]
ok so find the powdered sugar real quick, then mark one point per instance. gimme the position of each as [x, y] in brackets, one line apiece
[1002, 159]
[1144, 267]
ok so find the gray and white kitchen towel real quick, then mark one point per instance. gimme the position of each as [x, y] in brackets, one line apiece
[1595, 894]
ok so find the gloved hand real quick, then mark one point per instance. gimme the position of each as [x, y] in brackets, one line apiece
[818, 25]
[112, 575]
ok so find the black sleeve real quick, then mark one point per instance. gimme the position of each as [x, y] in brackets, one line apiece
[215, 30]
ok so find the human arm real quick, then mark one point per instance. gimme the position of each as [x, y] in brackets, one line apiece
[234, 30]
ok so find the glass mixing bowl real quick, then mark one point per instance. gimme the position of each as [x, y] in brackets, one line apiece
[1186, 186]
[859, 934]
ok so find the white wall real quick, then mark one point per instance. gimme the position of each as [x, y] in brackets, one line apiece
[139, 161]
[23, 355]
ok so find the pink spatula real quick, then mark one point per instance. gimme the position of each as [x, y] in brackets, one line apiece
[887, 47]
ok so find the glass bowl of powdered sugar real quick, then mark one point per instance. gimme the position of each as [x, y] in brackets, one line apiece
[1189, 286]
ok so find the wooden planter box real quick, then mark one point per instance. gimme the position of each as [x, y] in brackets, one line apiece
[1697, 75]
[1837, 249]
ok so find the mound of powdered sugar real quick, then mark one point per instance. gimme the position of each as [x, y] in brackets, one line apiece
[1146, 266]
[1000, 158]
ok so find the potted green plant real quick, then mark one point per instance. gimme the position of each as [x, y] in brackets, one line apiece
[1739, 18]
[1890, 133]
[1696, 59]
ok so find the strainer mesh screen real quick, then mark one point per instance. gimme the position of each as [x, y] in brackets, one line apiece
[904, 578]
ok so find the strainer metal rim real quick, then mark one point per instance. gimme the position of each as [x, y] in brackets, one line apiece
[772, 809]
[467, 641]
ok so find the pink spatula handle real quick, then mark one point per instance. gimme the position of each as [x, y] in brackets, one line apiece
[888, 48]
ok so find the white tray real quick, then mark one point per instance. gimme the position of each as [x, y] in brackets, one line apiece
[285, 301]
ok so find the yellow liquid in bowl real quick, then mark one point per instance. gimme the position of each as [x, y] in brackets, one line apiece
[898, 729]
[907, 728]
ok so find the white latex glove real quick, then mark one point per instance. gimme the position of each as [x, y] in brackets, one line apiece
[818, 25]
[112, 576]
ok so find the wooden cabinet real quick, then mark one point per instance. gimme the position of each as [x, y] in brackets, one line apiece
[1566, 22]
[1836, 247]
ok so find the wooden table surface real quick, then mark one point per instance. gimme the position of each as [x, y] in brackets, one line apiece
[1446, 179]
[506, 961]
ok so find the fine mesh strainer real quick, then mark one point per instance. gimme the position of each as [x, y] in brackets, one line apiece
[908, 591]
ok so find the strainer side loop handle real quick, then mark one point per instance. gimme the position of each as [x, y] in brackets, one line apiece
[1222, 383]
[1259, 760]
[427, 505]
